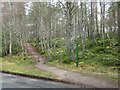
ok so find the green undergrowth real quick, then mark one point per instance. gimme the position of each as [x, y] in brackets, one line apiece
[93, 61]
[23, 65]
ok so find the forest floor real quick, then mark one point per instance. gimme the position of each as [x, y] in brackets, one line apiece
[66, 75]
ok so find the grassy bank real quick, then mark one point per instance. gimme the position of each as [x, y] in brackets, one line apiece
[23, 65]
[108, 73]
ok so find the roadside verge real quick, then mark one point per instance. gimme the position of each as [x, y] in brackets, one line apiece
[36, 77]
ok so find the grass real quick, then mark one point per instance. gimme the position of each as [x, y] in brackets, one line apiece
[107, 73]
[23, 65]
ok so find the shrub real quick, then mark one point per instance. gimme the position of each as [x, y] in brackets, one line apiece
[99, 49]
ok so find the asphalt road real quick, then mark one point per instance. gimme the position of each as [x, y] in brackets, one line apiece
[14, 81]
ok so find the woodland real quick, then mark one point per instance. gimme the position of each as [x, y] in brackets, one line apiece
[78, 36]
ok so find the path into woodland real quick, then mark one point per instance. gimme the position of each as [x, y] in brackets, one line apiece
[66, 75]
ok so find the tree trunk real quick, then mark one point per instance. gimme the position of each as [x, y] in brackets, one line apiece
[92, 23]
[118, 11]
[10, 44]
[96, 16]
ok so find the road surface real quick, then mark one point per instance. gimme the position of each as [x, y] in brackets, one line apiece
[14, 81]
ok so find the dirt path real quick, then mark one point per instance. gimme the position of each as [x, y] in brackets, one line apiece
[68, 75]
